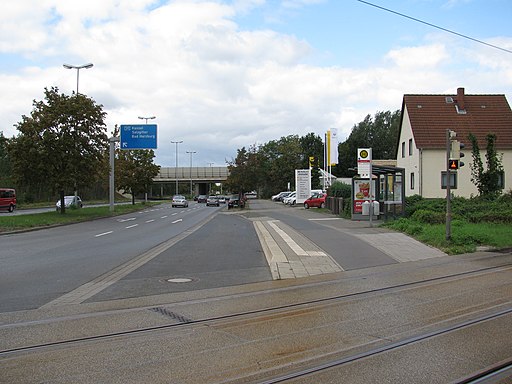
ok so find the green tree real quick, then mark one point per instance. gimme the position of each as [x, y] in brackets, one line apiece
[5, 163]
[62, 144]
[135, 170]
[379, 133]
[486, 181]
[244, 172]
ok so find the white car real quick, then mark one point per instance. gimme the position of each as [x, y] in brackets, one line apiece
[179, 201]
[70, 201]
[290, 199]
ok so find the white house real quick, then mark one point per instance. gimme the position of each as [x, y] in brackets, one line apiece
[421, 146]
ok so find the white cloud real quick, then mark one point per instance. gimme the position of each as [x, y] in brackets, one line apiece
[208, 81]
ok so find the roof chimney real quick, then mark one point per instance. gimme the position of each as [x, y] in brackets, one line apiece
[460, 99]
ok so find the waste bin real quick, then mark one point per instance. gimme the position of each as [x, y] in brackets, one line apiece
[365, 208]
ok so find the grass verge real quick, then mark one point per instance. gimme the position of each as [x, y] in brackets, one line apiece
[465, 237]
[10, 223]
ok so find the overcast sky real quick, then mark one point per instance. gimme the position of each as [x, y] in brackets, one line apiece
[221, 75]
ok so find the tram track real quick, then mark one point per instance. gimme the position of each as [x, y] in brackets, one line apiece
[182, 321]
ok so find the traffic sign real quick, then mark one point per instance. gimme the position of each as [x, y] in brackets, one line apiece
[138, 136]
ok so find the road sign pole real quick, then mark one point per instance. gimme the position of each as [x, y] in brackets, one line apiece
[113, 141]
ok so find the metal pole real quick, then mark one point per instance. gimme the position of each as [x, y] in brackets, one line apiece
[113, 141]
[176, 172]
[191, 153]
[448, 188]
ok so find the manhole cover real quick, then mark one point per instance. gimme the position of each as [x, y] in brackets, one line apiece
[179, 280]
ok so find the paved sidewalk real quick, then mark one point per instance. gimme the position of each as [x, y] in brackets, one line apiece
[329, 244]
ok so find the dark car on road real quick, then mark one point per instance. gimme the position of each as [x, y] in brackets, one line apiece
[236, 202]
[201, 199]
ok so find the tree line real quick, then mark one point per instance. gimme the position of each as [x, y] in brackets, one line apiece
[63, 147]
[269, 167]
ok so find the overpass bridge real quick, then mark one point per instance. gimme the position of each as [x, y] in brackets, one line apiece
[199, 180]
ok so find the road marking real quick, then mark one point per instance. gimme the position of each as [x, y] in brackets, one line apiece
[124, 220]
[288, 240]
[174, 214]
[177, 221]
[163, 217]
[87, 290]
[131, 226]
[329, 218]
[150, 221]
[103, 234]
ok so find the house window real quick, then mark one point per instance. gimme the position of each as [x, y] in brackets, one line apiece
[410, 147]
[403, 149]
[412, 180]
[501, 180]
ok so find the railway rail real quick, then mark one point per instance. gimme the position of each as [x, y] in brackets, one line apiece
[276, 327]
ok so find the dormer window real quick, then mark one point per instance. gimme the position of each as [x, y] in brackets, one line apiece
[449, 100]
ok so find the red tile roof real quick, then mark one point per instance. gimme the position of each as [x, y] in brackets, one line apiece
[431, 115]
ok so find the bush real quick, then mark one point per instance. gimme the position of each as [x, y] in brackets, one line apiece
[428, 217]
[339, 189]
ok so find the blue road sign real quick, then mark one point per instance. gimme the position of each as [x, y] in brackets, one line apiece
[141, 136]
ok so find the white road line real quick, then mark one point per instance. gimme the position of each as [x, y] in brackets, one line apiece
[103, 234]
[325, 219]
[177, 221]
[163, 217]
[131, 226]
[150, 221]
[175, 213]
[123, 220]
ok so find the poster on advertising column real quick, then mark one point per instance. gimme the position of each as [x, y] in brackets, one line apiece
[302, 184]
[362, 193]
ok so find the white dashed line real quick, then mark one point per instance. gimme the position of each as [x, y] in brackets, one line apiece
[103, 234]
[177, 221]
[131, 226]
[150, 221]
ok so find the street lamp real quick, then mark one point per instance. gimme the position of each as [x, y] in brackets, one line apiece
[176, 173]
[78, 68]
[191, 153]
[147, 118]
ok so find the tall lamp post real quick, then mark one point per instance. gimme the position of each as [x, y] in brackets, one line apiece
[78, 68]
[176, 173]
[147, 118]
[191, 153]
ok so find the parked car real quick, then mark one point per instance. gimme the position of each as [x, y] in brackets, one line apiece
[280, 195]
[70, 202]
[8, 199]
[212, 200]
[179, 201]
[290, 199]
[201, 199]
[222, 199]
[317, 200]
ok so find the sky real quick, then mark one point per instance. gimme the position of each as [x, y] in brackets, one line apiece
[222, 75]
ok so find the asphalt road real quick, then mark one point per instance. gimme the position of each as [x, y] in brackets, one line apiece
[40, 266]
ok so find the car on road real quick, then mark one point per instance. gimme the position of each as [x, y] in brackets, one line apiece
[202, 199]
[70, 202]
[8, 199]
[179, 201]
[222, 199]
[234, 201]
[317, 200]
[212, 200]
